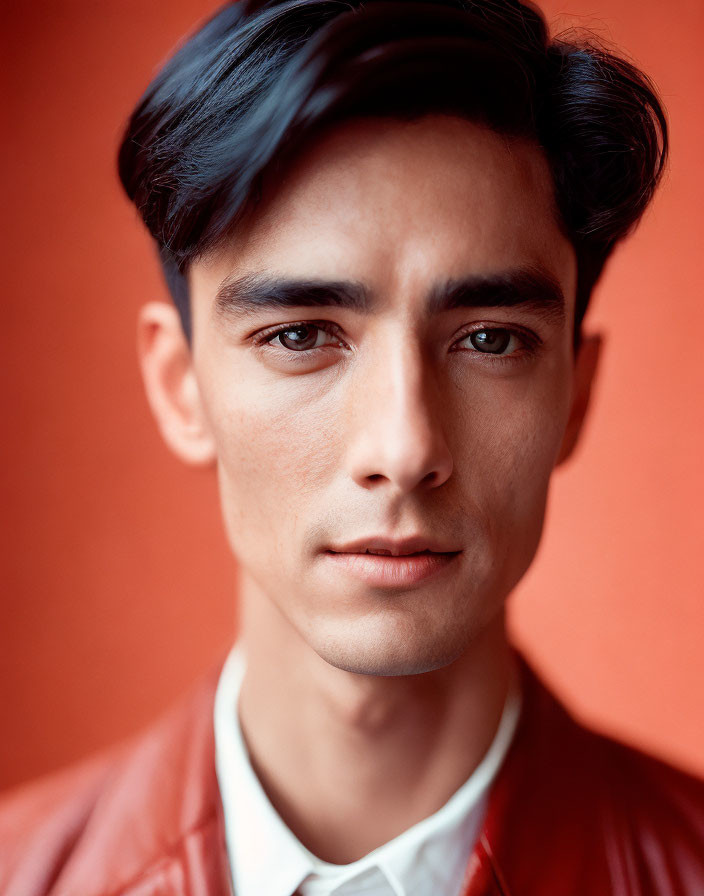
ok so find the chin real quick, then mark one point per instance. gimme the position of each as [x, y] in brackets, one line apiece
[393, 647]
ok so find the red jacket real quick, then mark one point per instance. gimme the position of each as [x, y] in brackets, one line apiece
[571, 813]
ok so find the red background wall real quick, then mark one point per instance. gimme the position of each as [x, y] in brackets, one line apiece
[117, 589]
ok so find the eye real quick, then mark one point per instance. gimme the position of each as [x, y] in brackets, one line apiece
[301, 337]
[494, 341]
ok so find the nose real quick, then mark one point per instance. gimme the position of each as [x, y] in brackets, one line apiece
[397, 436]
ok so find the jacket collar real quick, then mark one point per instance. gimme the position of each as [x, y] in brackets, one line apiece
[157, 824]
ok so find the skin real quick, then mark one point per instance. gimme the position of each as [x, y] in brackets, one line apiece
[395, 424]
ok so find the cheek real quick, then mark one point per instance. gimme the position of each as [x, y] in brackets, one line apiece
[276, 454]
[506, 446]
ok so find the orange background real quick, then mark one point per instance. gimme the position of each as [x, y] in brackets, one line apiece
[117, 588]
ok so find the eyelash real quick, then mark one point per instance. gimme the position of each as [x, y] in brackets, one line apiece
[531, 342]
[267, 336]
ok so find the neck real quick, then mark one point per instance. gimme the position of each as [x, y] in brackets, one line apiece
[350, 761]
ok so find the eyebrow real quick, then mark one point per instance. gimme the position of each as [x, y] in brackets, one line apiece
[531, 289]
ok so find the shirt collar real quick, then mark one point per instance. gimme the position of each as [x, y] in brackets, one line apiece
[268, 860]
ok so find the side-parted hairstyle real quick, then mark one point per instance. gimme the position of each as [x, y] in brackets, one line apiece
[257, 82]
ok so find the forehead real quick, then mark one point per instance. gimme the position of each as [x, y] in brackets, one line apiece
[397, 205]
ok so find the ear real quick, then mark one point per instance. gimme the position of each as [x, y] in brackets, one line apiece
[172, 389]
[586, 363]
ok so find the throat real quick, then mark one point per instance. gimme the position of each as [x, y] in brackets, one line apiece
[346, 782]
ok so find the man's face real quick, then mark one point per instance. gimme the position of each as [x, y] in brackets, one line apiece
[431, 403]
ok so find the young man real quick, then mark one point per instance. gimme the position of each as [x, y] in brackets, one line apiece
[381, 224]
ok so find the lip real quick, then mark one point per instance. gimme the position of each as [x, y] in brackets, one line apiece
[391, 571]
[397, 546]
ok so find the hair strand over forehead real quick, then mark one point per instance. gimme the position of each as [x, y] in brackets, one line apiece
[262, 78]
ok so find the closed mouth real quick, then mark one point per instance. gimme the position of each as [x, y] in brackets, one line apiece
[387, 553]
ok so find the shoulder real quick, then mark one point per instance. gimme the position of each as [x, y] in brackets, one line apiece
[614, 819]
[634, 791]
[41, 822]
[100, 826]
[652, 817]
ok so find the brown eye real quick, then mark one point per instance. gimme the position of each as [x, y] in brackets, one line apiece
[300, 337]
[494, 341]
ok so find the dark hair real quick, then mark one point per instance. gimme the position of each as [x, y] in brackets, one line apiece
[255, 84]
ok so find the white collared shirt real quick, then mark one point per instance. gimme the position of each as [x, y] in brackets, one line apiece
[266, 858]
